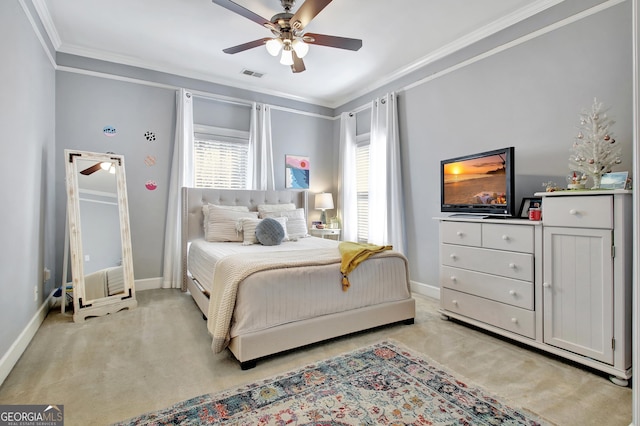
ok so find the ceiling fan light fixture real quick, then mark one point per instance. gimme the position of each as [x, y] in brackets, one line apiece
[106, 165]
[287, 56]
[300, 47]
[112, 169]
[273, 46]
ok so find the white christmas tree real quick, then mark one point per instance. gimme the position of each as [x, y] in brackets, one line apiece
[595, 151]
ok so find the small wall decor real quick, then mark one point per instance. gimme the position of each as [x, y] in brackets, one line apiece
[151, 185]
[150, 136]
[296, 172]
[150, 160]
[109, 131]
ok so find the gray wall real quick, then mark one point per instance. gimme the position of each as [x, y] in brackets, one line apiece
[27, 87]
[86, 104]
[528, 96]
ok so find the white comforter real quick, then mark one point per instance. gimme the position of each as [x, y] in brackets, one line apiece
[309, 287]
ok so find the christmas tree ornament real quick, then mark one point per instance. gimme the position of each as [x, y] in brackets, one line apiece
[595, 141]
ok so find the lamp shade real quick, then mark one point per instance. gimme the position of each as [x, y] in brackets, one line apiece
[324, 201]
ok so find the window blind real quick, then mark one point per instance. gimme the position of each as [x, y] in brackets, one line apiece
[362, 189]
[220, 162]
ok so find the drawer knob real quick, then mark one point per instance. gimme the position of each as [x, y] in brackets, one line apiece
[512, 265]
[459, 234]
[514, 320]
[455, 302]
[573, 212]
[453, 279]
[505, 237]
[546, 285]
[453, 256]
[512, 292]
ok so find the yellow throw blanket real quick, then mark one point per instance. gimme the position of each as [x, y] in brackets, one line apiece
[354, 254]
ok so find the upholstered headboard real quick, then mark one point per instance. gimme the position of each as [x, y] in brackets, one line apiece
[194, 198]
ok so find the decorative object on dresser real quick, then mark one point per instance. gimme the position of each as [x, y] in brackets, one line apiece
[99, 237]
[324, 201]
[595, 151]
[491, 276]
[253, 297]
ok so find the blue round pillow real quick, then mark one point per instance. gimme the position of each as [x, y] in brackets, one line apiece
[269, 232]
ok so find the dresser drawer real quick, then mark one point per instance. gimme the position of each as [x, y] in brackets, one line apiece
[507, 317]
[507, 264]
[465, 233]
[508, 237]
[505, 290]
[578, 211]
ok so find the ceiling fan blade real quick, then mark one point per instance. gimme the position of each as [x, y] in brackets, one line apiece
[91, 170]
[306, 13]
[246, 46]
[298, 63]
[234, 7]
[333, 41]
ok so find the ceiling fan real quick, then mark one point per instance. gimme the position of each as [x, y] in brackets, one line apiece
[288, 31]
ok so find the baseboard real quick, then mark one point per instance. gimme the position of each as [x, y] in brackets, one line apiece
[14, 353]
[148, 284]
[425, 289]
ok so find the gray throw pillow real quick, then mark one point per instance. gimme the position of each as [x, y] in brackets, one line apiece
[269, 232]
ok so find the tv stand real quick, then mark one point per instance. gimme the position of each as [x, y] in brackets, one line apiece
[469, 216]
[516, 278]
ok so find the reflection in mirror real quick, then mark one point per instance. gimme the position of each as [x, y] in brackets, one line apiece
[100, 245]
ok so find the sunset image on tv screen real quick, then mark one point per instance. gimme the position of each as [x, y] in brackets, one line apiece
[476, 181]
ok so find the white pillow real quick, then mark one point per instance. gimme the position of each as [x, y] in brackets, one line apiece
[296, 222]
[248, 228]
[221, 225]
[268, 208]
[205, 212]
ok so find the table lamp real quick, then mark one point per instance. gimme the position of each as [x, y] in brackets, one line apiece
[324, 201]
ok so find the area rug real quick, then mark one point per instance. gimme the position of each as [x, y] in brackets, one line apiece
[384, 384]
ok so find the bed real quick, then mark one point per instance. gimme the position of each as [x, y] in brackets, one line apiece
[261, 300]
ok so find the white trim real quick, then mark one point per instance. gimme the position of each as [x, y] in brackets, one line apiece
[635, 323]
[519, 41]
[496, 50]
[148, 284]
[45, 17]
[459, 44]
[425, 290]
[11, 357]
[37, 32]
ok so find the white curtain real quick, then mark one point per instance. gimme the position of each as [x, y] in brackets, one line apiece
[347, 189]
[181, 175]
[260, 171]
[386, 218]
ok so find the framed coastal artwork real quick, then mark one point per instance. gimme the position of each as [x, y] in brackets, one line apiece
[296, 172]
[615, 180]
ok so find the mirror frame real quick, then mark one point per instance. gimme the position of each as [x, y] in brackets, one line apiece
[84, 308]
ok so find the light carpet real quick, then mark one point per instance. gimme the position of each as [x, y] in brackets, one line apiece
[383, 384]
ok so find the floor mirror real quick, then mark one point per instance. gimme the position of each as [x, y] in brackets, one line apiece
[99, 234]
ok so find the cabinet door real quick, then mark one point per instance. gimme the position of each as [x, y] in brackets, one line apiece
[578, 291]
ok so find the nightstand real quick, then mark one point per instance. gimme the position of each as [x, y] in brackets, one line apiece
[331, 232]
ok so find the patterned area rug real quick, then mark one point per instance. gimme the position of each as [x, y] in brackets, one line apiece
[383, 384]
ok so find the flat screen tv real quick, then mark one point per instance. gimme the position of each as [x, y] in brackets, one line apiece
[479, 184]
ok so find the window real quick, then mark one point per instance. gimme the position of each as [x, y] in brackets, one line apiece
[220, 158]
[362, 186]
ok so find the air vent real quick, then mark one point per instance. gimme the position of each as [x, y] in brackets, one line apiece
[252, 73]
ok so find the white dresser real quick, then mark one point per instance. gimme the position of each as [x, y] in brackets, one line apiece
[562, 285]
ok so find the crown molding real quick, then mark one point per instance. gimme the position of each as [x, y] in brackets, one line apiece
[460, 43]
[45, 17]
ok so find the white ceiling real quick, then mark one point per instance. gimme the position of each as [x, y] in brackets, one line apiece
[186, 37]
